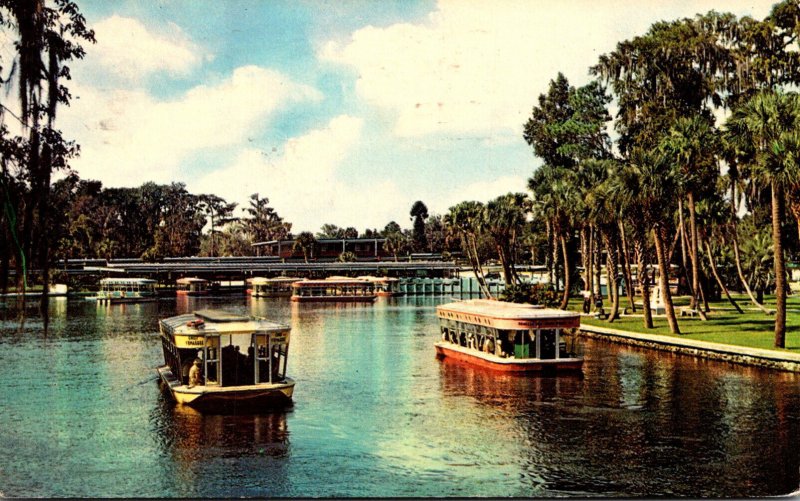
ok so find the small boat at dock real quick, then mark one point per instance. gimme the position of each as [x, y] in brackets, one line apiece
[507, 337]
[206, 369]
[334, 289]
[384, 286]
[191, 286]
[271, 287]
[125, 290]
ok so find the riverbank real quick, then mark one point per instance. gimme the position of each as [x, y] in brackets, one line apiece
[783, 360]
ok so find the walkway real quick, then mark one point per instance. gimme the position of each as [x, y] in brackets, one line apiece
[773, 359]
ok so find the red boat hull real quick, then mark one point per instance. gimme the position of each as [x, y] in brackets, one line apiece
[507, 365]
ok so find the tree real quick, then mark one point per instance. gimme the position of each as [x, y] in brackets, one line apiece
[505, 217]
[263, 223]
[45, 40]
[419, 212]
[304, 242]
[690, 145]
[769, 122]
[395, 243]
[468, 218]
[219, 212]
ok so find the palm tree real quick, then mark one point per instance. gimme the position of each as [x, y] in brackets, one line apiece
[505, 216]
[304, 242]
[468, 219]
[690, 145]
[769, 122]
[645, 187]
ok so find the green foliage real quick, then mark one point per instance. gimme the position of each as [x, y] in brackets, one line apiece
[530, 293]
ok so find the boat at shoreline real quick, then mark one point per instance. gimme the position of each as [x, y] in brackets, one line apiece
[334, 289]
[225, 379]
[191, 286]
[125, 290]
[507, 337]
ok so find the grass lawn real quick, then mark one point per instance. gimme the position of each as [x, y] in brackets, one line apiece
[752, 328]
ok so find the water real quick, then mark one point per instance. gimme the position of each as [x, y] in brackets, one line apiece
[375, 414]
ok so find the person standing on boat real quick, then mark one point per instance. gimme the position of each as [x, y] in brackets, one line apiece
[195, 379]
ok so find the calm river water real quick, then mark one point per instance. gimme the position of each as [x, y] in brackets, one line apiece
[376, 414]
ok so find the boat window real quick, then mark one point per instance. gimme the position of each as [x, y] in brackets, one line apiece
[548, 344]
[211, 371]
[262, 359]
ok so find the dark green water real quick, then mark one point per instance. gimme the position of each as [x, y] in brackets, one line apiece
[376, 414]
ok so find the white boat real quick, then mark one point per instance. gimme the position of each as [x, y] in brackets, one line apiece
[230, 380]
[507, 337]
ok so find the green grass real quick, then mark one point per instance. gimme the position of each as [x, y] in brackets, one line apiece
[751, 329]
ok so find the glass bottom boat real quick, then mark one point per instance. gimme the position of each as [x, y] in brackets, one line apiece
[206, 369]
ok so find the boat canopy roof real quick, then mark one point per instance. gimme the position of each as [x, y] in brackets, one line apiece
[331, 281]
[507, 311]
[379, 279]
[121, 281]
[264, 280]
[216, 322]
[190, 280]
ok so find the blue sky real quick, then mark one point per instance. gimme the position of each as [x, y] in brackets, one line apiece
[342, 112]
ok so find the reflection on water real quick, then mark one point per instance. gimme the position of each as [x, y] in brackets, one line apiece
[376, 414]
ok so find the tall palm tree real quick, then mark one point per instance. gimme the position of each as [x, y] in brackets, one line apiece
[646, 184]
[505, 216]
[690, 144]
[769, 122]
[468, 219]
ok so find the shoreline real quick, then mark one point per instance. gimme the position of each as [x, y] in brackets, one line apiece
[754, 357]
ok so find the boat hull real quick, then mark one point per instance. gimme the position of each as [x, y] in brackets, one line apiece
[192, 293]
[488, 361]
[228, 399]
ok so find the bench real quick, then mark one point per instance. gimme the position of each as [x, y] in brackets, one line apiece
[688, 312]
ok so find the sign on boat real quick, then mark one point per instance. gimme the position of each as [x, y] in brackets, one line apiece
[224, 378]
[508, 337]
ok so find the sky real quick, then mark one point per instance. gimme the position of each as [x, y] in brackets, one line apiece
[339, 111]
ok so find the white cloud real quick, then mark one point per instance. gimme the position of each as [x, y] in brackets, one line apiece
[128, 137]
[303, 184]
[481, 191]
[476, 66]
[129, 51]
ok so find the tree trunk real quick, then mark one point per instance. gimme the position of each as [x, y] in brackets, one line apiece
[741, 274]
[590, 261]
[626, 267]
[611, 273]
[663, 280]
[567, 273]
[548, 258]
[644, 282]
[780, 271]
[693, 255]
[684, 252]
[719, 280]
[479, 276]
[598, 262]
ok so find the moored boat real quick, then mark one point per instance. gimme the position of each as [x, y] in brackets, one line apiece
[507, 337]
[191, 286]
[384, 286]
[206, 369]
[334, 289]
[271, 287]
[126, 290]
